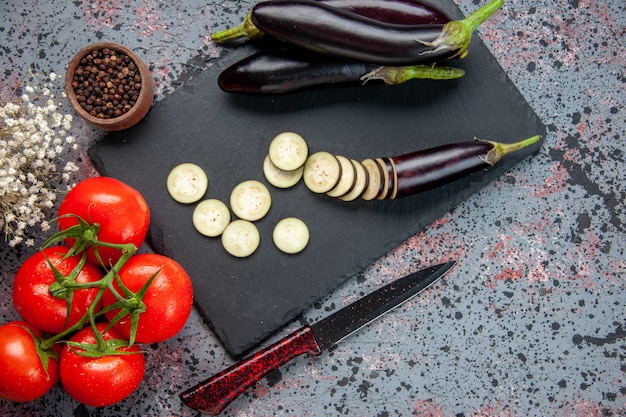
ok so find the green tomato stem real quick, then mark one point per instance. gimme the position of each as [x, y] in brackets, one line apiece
[128, 250]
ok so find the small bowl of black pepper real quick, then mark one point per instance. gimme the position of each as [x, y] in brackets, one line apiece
[109, 86]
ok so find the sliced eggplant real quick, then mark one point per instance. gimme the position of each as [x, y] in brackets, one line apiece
[388, 178]
[241, 238]
[187, 183]
[210, 217]
[291, 235]
[322, 172]
[288, 151]
[250, 200]
[375, 175]
[280, 178]
[361, 182]
[348, 177]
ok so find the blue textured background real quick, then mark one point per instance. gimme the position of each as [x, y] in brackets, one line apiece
[531, 323]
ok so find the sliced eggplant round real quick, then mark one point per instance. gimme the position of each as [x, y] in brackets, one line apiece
[348, 176]
[322, 172]
[241, 238]
[187, 183]
[288, 151]
[278, 177]
[375, 175]
[250, 200]
[387, 178]
[361, 181]
[291, 235]
[210, 217]
[394, 180]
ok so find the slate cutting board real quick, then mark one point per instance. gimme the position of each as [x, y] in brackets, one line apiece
[246, 300]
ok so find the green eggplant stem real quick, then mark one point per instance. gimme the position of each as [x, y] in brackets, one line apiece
[244, 30]
[399, 75]
[457, 34]
[499, 150]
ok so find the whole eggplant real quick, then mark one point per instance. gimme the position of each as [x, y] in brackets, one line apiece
[405, 12]
[426, 169]
[285, 70]
[328, 30]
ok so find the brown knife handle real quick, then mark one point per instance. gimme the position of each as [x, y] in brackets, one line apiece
[213, 395]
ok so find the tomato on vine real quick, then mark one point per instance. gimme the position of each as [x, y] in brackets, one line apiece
[119, 212]
[164, 298]
[102, 372]
[26, 372]
[43, 289]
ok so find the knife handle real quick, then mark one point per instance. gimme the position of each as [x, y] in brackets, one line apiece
[213, 395]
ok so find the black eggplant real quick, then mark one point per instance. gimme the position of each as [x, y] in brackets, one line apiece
[426, 169]
[404, 12]
[292, 69]
[340, 33]
[404, 175]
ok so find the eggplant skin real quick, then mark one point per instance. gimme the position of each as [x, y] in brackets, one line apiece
[401, 12]
[427, 169]
[288, 70]
[340, 33]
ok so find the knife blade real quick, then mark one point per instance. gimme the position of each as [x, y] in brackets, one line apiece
[213, 395]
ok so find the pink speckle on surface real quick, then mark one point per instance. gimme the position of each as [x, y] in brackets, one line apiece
[555, 183]
[148, 20]
[437, 247]
[103, 13]
[532, 320]
[495, 409]
[583, 408]
[429, 408]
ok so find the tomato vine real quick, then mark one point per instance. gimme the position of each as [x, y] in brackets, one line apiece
[85, 235]
[89, 300]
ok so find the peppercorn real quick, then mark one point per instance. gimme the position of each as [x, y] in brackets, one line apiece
[106, 83]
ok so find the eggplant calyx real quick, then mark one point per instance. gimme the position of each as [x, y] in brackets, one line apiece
[457, 34]
[398, 75]
[499, 150]
[246, 29]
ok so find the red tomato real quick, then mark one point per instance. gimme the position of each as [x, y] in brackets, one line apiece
[168, 301]
[120, 210]
[22, 374]
[33, 300]
[104, 380]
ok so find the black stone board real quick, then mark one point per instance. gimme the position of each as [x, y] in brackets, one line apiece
[246, 300]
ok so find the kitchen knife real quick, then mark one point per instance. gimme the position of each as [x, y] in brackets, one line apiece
[213, 395]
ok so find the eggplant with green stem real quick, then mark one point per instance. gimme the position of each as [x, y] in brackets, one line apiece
[285, 70]
[399, 176]
[402, 12]
[424, 170]
[331, 31]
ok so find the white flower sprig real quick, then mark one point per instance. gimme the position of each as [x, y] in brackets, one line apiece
[33, 137]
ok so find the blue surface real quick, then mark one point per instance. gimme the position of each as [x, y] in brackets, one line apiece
[532, 320]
